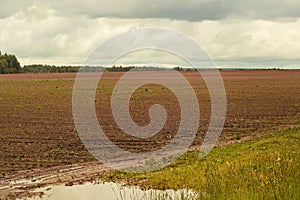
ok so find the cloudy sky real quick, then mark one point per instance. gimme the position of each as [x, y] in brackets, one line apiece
[235, 33]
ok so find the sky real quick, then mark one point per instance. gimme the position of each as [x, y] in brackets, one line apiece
[234, 33]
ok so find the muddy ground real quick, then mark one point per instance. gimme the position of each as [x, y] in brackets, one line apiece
[38, 136]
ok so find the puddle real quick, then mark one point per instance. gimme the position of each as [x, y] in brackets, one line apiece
[25, 181]
[109, 191]
[16, 183]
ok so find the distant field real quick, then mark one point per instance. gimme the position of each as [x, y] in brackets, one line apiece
[37, 128]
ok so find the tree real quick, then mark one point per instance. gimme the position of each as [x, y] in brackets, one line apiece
[9, 64]
[178, 68]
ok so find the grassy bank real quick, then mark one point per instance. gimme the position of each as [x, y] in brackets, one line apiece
[266, 168]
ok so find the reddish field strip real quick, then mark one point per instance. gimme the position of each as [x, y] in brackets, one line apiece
[37, 128]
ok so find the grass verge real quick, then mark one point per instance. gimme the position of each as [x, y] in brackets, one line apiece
[265, 168]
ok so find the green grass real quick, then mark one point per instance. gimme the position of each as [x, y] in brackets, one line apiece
[265, 168]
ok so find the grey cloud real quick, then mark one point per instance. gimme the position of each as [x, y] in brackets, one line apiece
[194, 10]
[182, 10]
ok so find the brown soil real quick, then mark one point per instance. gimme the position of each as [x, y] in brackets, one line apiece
[38, 133]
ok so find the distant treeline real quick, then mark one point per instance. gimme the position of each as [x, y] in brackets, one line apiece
[9, 64]
[48, 69]
[64, 69]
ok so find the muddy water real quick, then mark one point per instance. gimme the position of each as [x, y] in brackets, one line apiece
[108, 191]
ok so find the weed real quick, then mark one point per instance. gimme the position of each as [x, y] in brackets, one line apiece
[238, 171]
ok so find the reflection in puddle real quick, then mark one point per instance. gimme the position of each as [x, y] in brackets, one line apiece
[110, 191]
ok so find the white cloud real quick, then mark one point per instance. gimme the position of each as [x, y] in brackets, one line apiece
[65, 32]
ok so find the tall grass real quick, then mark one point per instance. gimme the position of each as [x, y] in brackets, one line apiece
[137, 194]
[266, 168]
